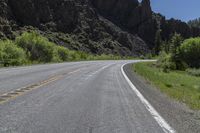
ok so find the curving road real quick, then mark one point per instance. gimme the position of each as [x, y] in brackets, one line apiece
[78, 97]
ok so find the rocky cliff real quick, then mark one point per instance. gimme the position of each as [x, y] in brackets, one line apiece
[138, 18]
[124, 27]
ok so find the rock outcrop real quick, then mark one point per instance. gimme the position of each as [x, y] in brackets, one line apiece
[125, 27]
[138, 18]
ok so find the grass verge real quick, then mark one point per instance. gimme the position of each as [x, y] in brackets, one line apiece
[176, 84]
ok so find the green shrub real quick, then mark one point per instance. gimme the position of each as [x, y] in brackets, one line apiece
[74, 56]
[82, 55]
[31, 47]
[194, 72]
[172, 60]
[165, 62]
[38, 48]
[190, 52]
[11, 54]
[63, 53]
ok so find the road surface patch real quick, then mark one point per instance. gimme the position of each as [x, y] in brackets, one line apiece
[21, 91]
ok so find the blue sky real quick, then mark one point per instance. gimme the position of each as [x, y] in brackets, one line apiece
[180, 9]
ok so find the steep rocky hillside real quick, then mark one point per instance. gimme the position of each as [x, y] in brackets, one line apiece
[124, 27]
[138, 18]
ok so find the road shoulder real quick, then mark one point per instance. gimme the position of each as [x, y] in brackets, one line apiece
[181, 118]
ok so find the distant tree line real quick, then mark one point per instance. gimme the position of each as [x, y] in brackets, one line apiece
[177, 53]
[194, 23]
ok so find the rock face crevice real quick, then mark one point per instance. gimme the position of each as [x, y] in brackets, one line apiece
[124, 27]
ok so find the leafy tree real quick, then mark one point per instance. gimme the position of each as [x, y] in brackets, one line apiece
[190, 52]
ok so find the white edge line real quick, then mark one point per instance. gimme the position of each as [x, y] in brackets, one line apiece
[163, 124]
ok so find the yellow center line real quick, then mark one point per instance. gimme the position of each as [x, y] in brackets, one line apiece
[21, 91]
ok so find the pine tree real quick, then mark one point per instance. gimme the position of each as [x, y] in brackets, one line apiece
[194, 23]
[158, 42]
[175, 43]
[165, 46]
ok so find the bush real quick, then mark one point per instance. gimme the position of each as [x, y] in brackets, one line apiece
[165, 62]
[63, 53]
[38, 48]
[172, 60]
[194, 72]
[190, 52]
[31, 47]
[74, 56]
[11, 54]
[82, 55]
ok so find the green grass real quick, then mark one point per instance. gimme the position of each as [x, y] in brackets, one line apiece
[176, 84]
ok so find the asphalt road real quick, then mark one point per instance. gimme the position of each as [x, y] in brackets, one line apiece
[79, 97]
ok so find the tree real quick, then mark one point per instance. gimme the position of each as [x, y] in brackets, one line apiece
[165, 46]
[175, 43]
[194, 23]
[158, 42]
[190, 52]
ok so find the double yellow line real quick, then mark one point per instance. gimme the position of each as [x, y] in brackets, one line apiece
[21, 91]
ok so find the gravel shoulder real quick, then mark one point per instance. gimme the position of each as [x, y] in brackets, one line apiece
[178, 115]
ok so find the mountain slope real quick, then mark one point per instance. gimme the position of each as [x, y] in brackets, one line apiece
[95, 26]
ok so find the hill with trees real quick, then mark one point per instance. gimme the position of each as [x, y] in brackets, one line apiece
[119, 27]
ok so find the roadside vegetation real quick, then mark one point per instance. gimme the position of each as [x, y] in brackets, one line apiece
[176, 84]
[32, 48]
[177, 70]
[180, 54]
[11, 54]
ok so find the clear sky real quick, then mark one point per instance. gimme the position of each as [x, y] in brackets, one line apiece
[180, 9]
